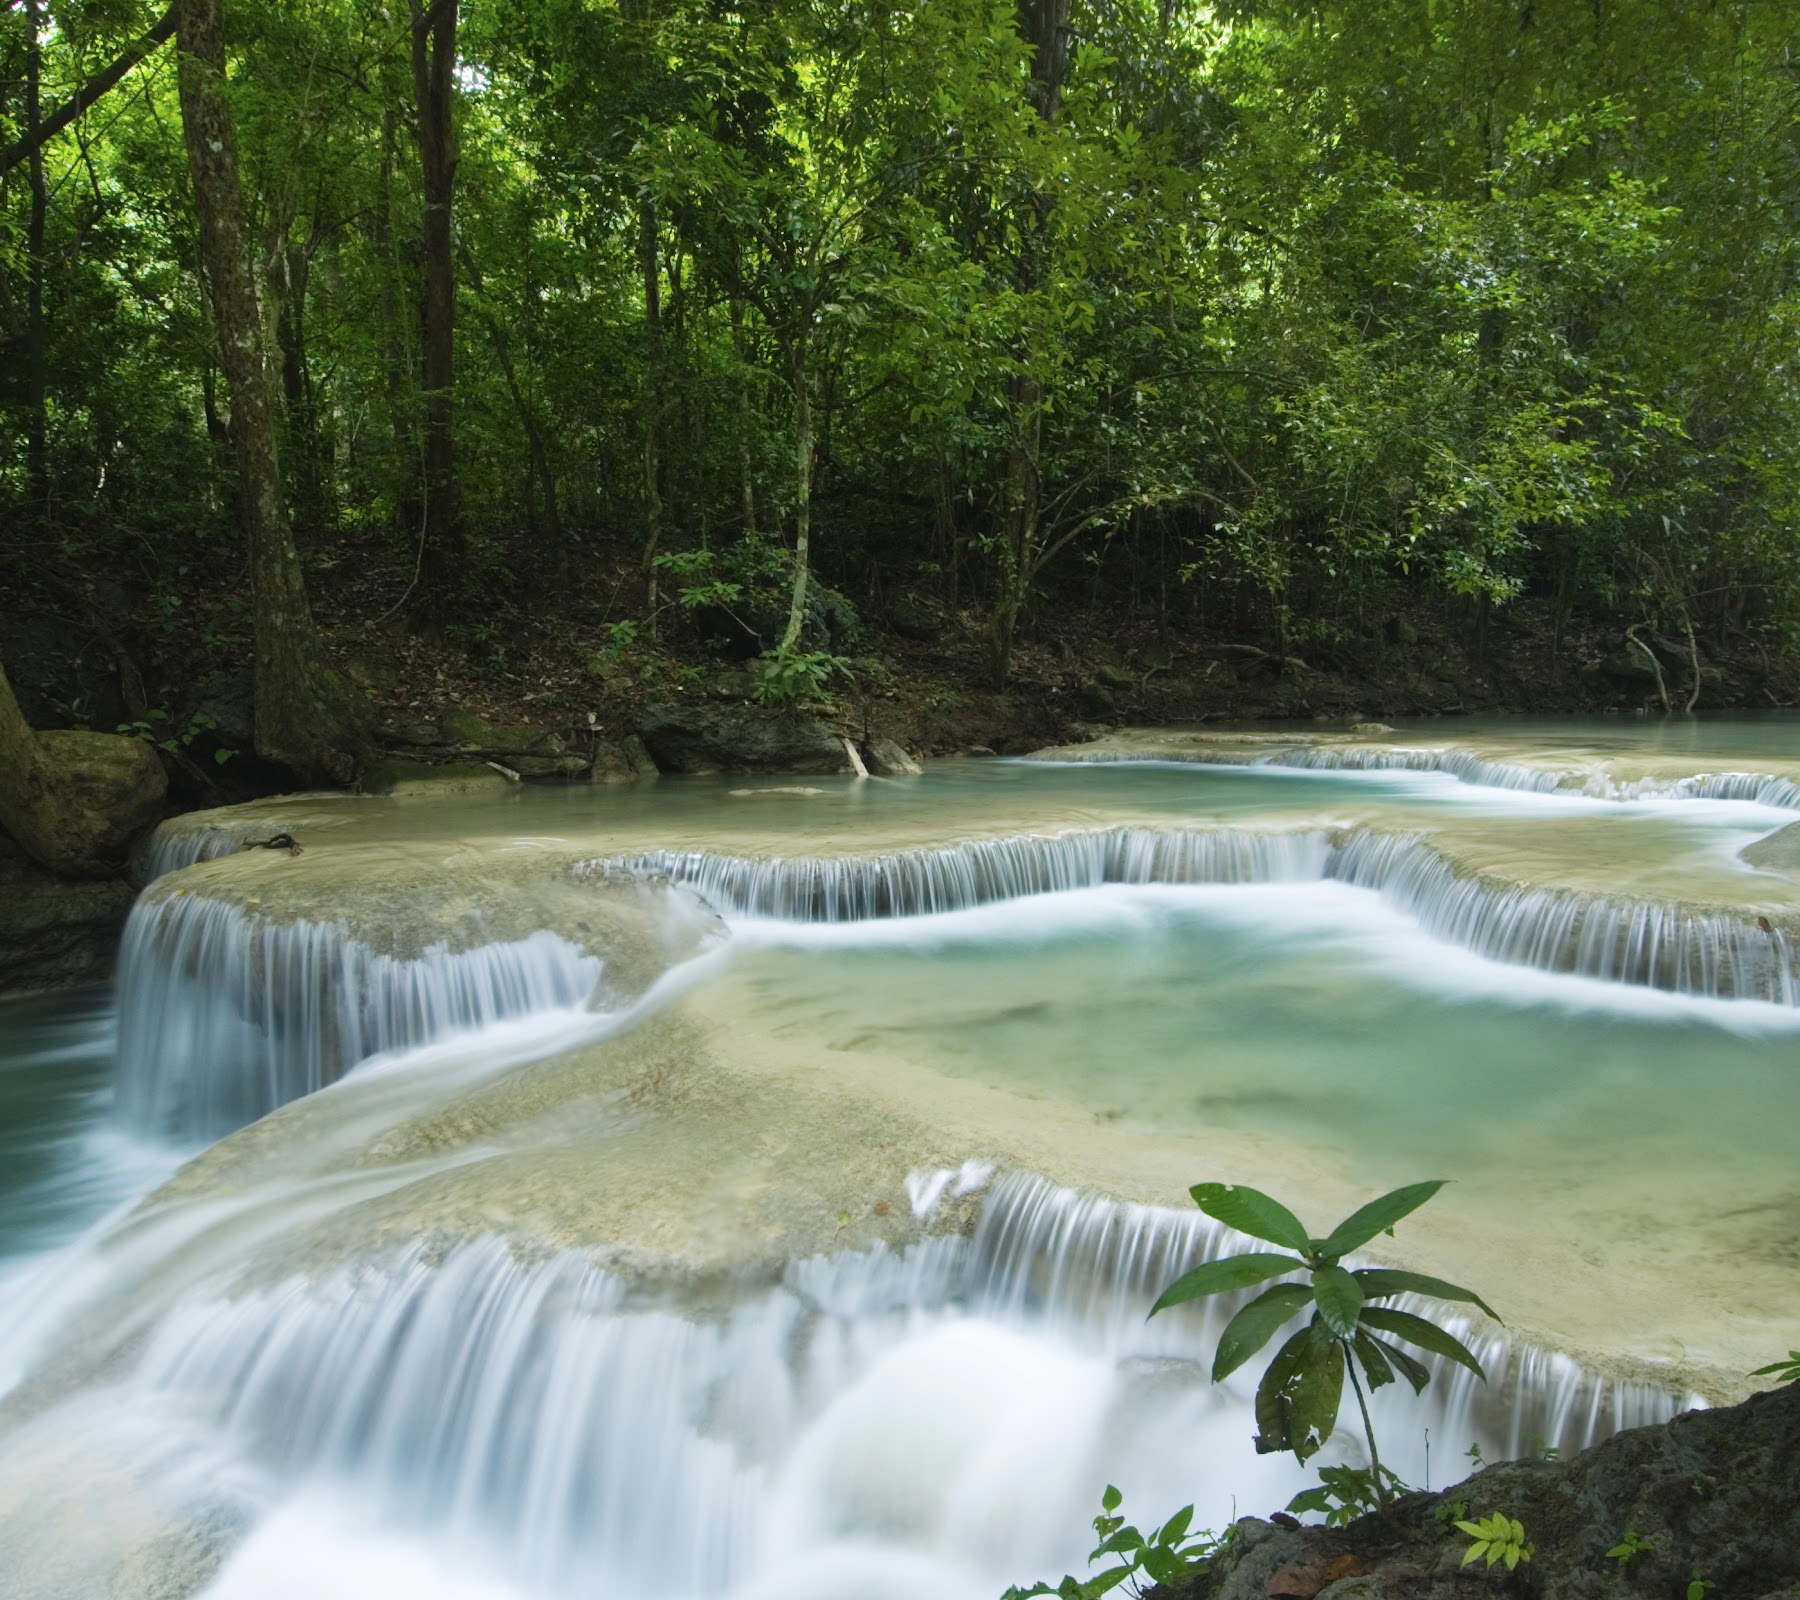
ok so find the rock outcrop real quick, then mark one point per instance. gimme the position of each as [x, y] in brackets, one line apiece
[699, 738]
[1713, 1496]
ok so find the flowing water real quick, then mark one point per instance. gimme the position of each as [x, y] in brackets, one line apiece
[755, 1189]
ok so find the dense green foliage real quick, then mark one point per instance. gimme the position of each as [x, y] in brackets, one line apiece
[1308, 304]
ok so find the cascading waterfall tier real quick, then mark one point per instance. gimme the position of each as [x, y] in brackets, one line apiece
[1762, 788]
[1670, 946]
[226, 1015]
[543, 1408]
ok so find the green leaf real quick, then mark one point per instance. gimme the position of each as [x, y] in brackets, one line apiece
[1253, 1327]
[1378, 1216]
[1317, 1396]
[1251, 1211]
[1426, 1335]
[1163, 1564]
[1176, 1527]
[1380, 1282]
[1274, 1397]
[1415, 1372]
[1111, 1500]
[1232, 1272]
[1340, 1298]
[1375, 1364]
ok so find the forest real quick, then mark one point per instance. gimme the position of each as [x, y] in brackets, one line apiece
[578, 351]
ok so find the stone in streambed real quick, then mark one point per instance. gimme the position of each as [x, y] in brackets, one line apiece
[885, 759]
[738, 738]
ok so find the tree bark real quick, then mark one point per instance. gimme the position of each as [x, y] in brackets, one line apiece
[37, 448]
[1045, 26]
[303, 718]
[800, 379]
[434, 90]
[39, 806]
[746, 474]
[650, 271]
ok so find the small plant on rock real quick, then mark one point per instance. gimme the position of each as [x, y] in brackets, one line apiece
[1499, 1538]
[1345, 1493]
[1630, 1549]
[1166, 1553]
[1350, 1331]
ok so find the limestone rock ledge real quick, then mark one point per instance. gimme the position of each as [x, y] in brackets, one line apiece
[1715, 1494]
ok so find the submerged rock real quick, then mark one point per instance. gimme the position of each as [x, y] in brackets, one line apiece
[726, 738]
[1713, 1495]
[886, 759]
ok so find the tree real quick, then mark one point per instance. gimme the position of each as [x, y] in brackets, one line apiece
[303, 718]
[434, 92]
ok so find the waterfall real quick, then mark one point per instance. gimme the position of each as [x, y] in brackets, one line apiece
[1657, 945]
[1762, 788]
[959, 1403]
[225, 1015]
[958, 877]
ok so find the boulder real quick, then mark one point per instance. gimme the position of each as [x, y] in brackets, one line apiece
[1114, 676]
[119, 777]
[885, 759]
[1371, 728]
[738, 738]
[459, 737]
[913, 619]
[1713, 1495]
[622, 761]
[55, 932]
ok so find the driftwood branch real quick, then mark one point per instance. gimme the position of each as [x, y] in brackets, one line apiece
[1662, 686]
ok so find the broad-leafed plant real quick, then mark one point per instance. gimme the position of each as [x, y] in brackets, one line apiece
[1352, 1332]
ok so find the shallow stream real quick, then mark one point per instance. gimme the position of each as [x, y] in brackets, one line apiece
[755, 1188]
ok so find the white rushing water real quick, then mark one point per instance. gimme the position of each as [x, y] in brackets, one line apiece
[939, 1421]
[413, 1405]
[227, 1015]
[1665, 946]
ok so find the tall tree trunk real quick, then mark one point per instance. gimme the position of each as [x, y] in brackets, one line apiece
[39, 805]
[303, 718]
[434, 90]
[535, 443]
[1045, 26]
[650, 271]
[746, 473]
[37, 448]
[394, 359]
[800, 380]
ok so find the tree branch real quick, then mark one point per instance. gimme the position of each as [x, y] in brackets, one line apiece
[20, 149]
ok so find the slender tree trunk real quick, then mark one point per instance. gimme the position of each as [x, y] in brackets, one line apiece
[1045, 26]
[39, 806]
[395, 363]
[535, 443]
[651, 274]
[434, 88]
[745, 417]
[800, 380]
[37, 448]
[303, 718]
